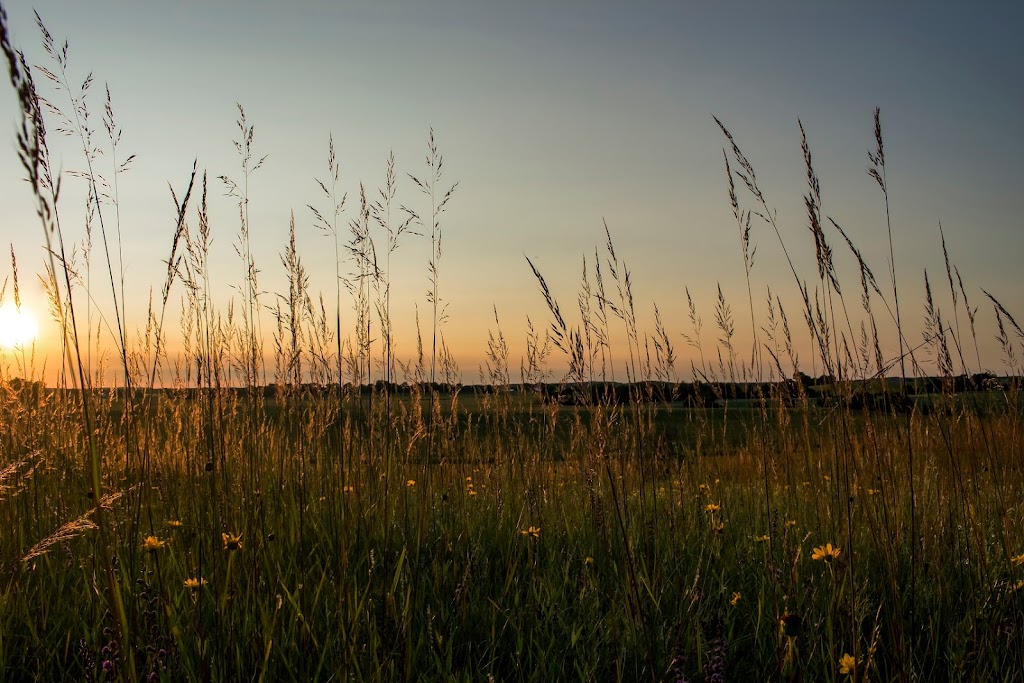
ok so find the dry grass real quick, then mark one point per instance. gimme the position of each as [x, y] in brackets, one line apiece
[755, 523]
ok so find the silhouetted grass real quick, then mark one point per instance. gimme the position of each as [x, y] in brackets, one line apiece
[307, 523]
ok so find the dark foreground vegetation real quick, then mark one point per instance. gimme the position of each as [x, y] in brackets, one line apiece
[366, 518]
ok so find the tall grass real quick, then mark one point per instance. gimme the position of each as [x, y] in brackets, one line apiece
[200, 522]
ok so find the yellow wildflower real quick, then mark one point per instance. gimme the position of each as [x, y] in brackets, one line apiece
[531, 531]
[194, 584]
[152, 544]
[712, 507]
[762, 539]
[790, 522]
[588, 560]
[735, 599]
[232, 541]
[410, 483]
[348, 488]
[1017, 561]
[847, 665]
[825, 552]
[174, 523]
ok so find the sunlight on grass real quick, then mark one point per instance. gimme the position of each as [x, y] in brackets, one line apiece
[289, 499]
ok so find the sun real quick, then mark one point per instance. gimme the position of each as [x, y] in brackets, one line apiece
[18, 327]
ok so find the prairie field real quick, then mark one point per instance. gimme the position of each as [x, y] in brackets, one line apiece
[280, 496]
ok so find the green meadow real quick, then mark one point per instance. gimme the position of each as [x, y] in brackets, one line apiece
[286, 499]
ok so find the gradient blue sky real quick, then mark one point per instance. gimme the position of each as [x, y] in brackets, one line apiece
[554, 116]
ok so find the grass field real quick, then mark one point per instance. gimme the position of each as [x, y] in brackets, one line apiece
[524, 541]
[751, 524]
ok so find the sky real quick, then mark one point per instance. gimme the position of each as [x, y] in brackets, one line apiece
[553, 118]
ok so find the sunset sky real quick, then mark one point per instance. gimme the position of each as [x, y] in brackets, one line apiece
[552, 117]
